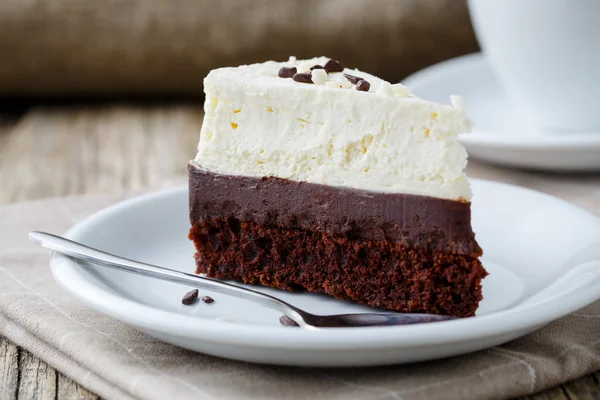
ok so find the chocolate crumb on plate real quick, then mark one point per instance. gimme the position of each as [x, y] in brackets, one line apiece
[333, 66]
[287, 321]
[303, 77]
[190, 297]
[317, 67]
[353, 79]
[363, 86]
[208, 299]
[285, 72]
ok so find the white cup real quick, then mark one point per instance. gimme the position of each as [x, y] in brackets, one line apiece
[546, 53]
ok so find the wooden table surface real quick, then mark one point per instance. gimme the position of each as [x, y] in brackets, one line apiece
[73, 149]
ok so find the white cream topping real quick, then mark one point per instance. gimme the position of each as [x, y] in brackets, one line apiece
[385, 140]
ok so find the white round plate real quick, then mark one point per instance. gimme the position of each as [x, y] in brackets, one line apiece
[500, 134]
[543, 256]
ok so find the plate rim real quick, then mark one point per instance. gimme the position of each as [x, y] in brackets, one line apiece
[146, 317]
[488, 137]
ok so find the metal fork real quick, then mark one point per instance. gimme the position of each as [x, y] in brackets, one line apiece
[302, 318]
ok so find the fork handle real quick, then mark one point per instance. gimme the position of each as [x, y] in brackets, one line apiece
[95, 256]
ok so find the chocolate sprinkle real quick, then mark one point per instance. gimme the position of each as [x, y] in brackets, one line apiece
[363, 86]
[353, 79]
[287, 321]
[303, 77]
[333, 66]
[208, 299]
[316, 67]
[190, 297]
[285, 72]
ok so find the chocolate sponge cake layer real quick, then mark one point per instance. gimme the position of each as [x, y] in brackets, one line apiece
[399, 252]
[378, 273]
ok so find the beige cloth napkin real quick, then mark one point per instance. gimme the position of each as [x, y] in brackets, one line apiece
[118, 362]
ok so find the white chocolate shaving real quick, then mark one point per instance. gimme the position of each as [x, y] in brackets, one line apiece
[319, 76]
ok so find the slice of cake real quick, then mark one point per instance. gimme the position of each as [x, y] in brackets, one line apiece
[314, 177]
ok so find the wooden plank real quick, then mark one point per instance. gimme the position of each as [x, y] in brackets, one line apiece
[9, 370]
[69, 390]
[38, 380]
[65, 151]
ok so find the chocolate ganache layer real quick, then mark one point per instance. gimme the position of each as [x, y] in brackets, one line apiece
[412, 220]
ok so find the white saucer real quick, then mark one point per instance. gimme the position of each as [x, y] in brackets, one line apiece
[543, 256]
[500, 134]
